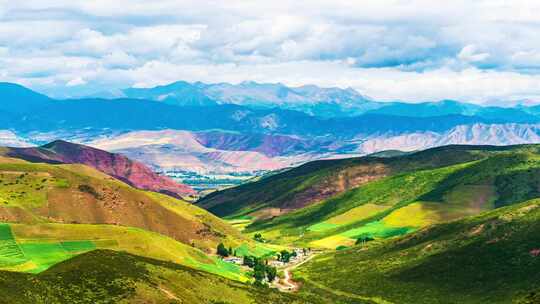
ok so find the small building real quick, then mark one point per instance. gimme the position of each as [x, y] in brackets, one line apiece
[276, 263]
[234, 260]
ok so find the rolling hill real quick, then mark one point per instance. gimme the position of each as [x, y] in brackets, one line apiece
[115, 165]
[489, 258]
[34, 248]
[104, 276]
[415, 191]
[319, 180]
[74, 193]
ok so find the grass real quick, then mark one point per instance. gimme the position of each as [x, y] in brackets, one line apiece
[104, 276]
[44, 245]
[36, 193]
[254, 250]
[322, 226]
[408, 201]
[10, 252]
[377, 229]
[357, 214]
[320, 180]
[19, 188]
[44, 255]
[353, 209]
[78, 246]
[488, 258]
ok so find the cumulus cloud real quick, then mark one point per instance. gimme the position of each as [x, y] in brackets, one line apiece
[470, 53]
[389, 49]
[76, 82]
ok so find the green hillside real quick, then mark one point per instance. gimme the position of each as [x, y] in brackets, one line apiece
[320, 180]
[51, 213]
[104, 276]
[35, 248]
[33, 193]
[490, 258]
[406, 201]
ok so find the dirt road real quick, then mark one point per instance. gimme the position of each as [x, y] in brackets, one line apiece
[288, 284]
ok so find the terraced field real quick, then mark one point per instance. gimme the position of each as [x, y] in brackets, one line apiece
[35, 248]
[10, 252]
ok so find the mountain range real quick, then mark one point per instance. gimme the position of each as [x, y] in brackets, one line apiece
[219, 130]
[325, 102]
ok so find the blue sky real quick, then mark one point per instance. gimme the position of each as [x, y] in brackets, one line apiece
[479, 51]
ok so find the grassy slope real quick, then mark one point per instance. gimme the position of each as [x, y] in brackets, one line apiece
[319, 180]
[39, 200]
[41, 193]
[408, 201]
[490, 258]
[114, 277]
[37, 247]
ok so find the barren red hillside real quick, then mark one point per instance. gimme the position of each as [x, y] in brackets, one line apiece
[132, 172]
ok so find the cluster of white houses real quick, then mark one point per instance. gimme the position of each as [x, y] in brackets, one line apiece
[300, 254]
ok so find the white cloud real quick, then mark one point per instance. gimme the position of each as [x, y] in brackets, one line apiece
[389, 49]
[470, 53]
[76, 82]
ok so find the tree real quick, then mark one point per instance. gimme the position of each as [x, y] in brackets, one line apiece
[259, 272]
[230, 251]
[222, 250]
[271, 273]
[258, 237]
[364, 239]
[249, 261]
[285, 256]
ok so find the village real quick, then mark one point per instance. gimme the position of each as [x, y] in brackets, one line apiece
[272, 271]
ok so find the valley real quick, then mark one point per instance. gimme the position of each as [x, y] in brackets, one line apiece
[279, 214]
[269, 152]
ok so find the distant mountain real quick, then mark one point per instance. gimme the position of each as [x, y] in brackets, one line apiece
[179, 93]
[133, 114]
[202, 152]
[313, 100]
[451, 107]
[469, 134]
[310, 99]
[225, 137]
[15, 98]
[35, 112]
[116, 165]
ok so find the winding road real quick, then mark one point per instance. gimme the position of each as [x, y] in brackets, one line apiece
[288, 284]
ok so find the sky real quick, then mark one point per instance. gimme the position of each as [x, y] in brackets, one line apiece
[410, 50]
